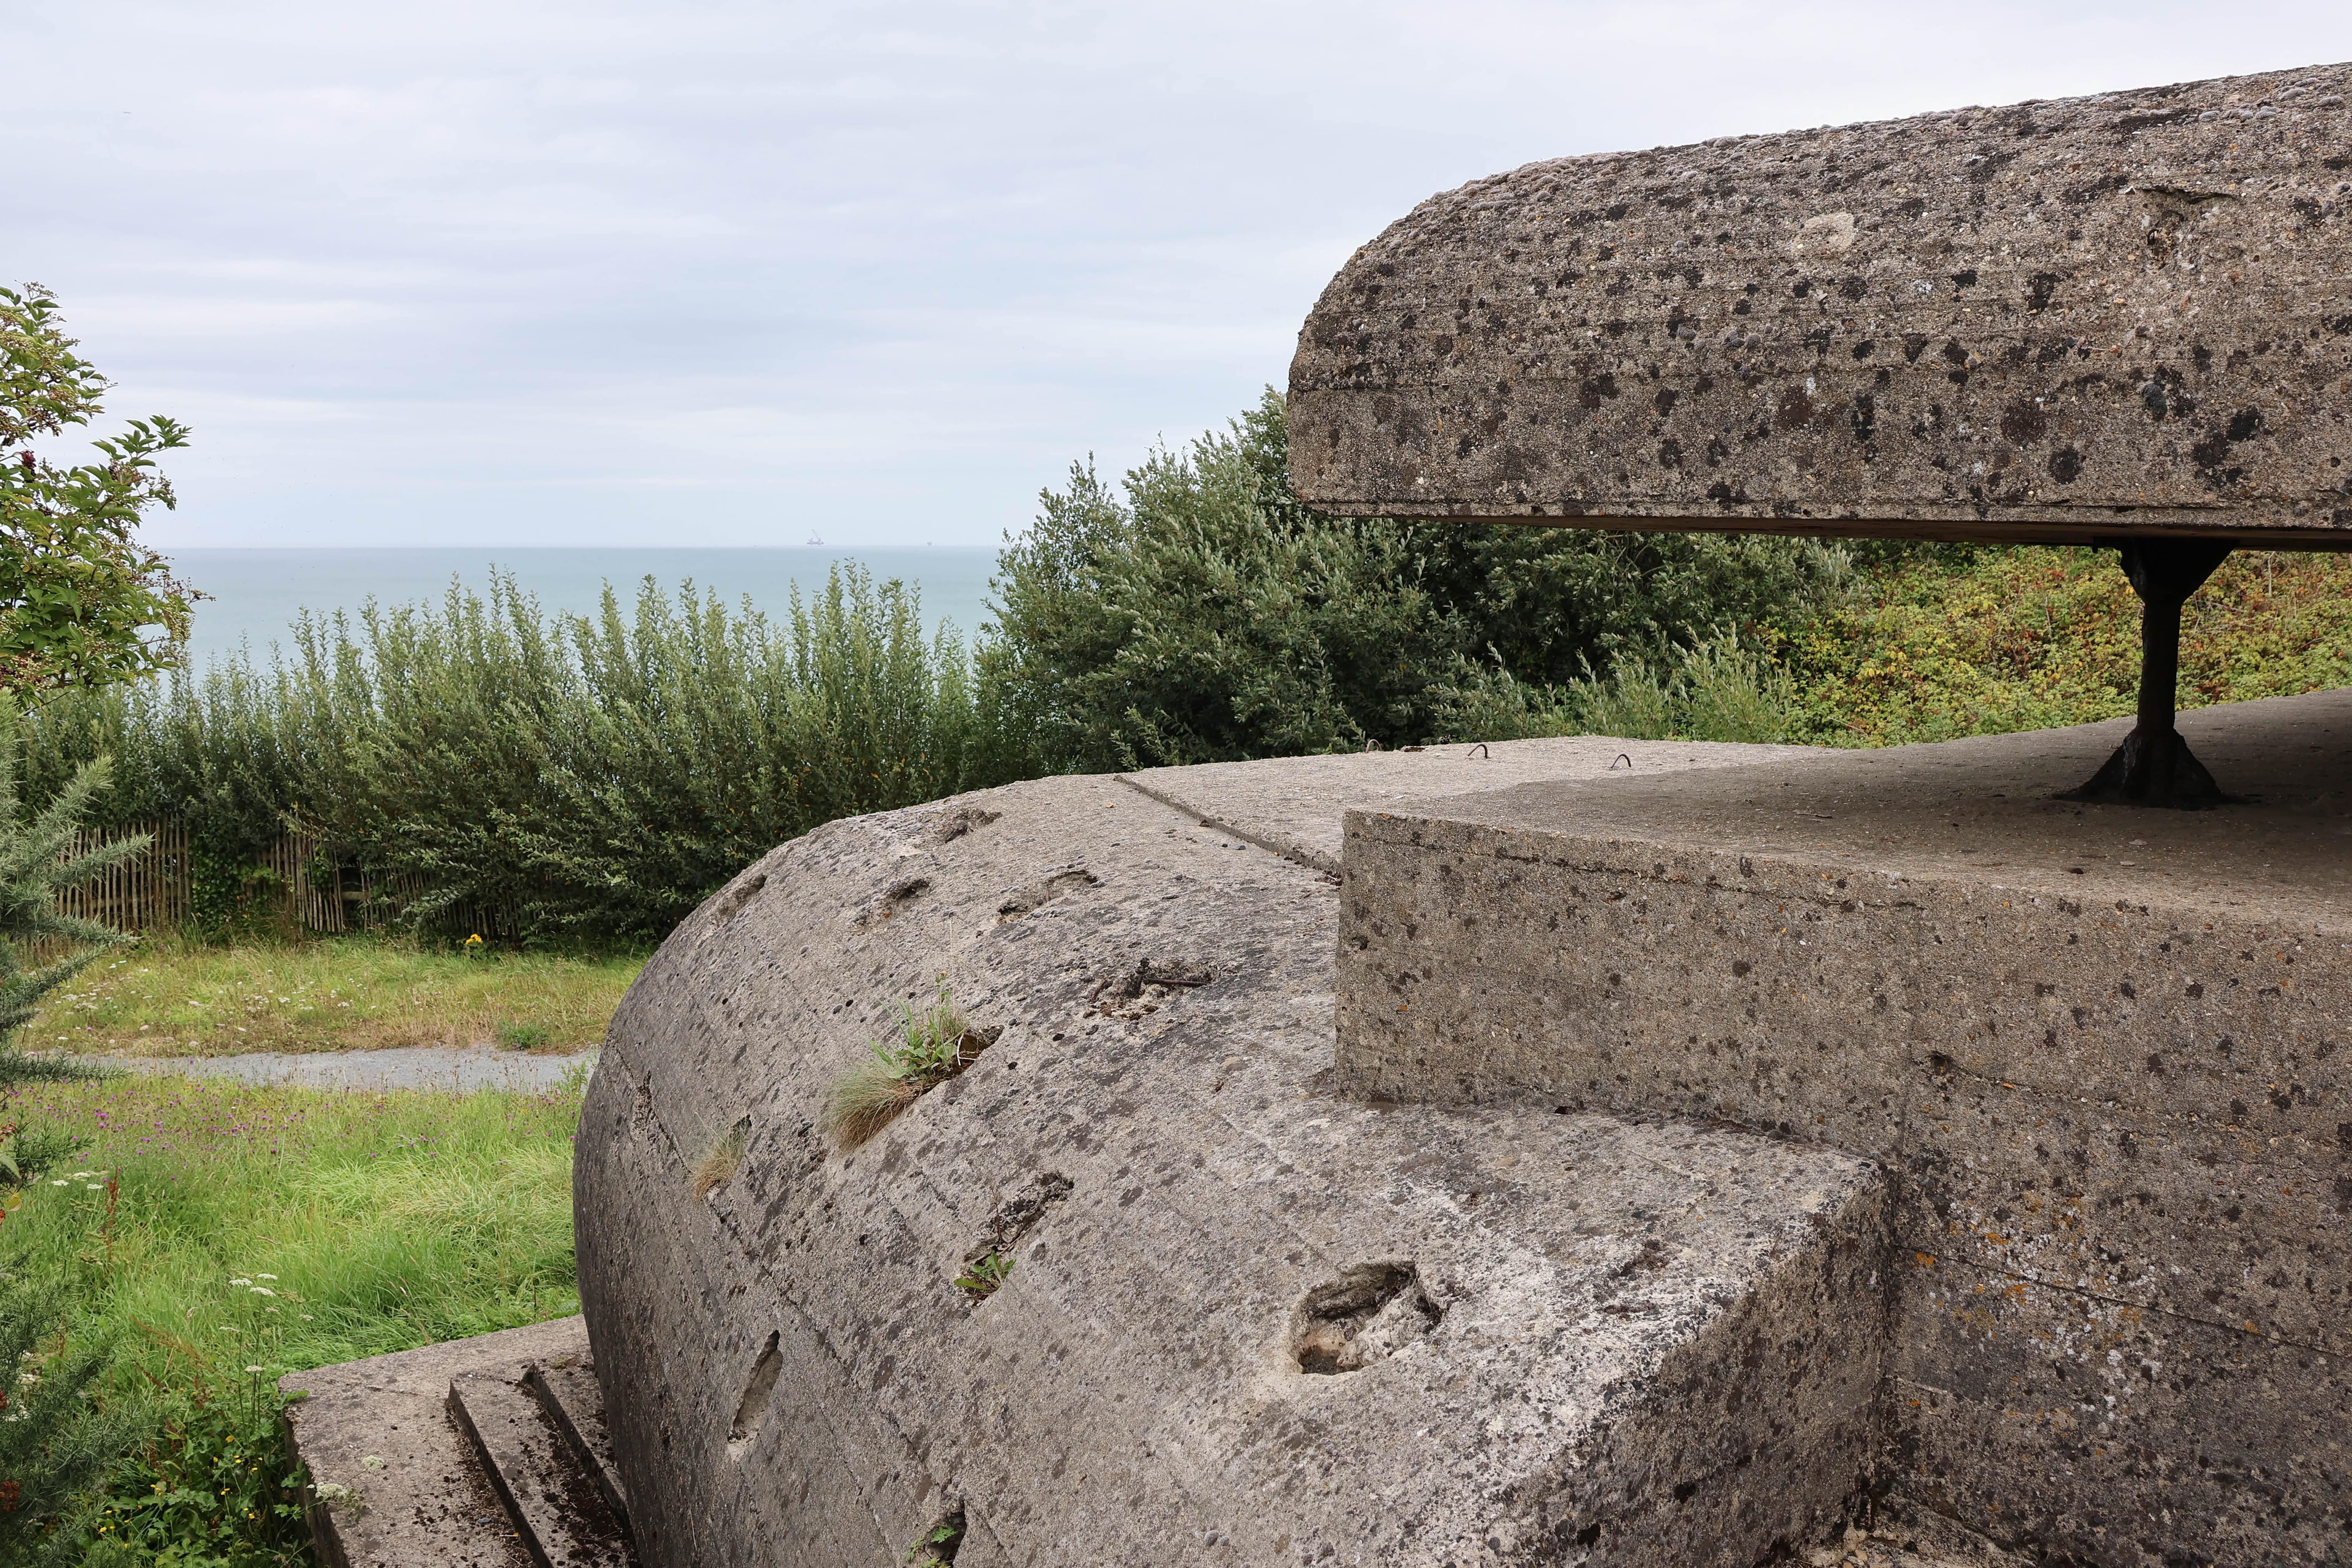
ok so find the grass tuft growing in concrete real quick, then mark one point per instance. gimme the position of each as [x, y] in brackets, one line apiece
[932, 1046]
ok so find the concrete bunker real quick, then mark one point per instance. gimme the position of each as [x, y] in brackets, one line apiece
[1752, 1203]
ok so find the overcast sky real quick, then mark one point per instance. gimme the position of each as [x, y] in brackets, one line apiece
[504, 274]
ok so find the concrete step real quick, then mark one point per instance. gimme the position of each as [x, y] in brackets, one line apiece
[549, 1491]
[567, 1390]
[481, 1452]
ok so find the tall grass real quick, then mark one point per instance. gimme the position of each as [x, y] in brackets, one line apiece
[550, 774]
[212, 1236]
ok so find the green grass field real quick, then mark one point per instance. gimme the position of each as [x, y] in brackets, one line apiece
[215, 1236]
[164, 997]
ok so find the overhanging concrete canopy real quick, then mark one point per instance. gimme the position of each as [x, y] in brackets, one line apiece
[2127, 316]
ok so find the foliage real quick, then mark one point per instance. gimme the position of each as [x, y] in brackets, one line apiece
[495, 768]
[54, 1435]
[248, 1232]
[38, 859]
[1994, 640]
[1719, 688]
[77, 590]
[983, 1274]
[1203, 614]
[168, 995]
[932, 1046]
[211, 1488]
[29, 1153]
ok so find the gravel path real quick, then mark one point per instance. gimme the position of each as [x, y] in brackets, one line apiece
[459, 1068]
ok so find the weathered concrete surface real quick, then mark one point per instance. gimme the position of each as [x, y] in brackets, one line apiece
[2101, 1049]
[2066, 321]
[1293, 806]
[408, 1493]
[1609, 1341]
[565, 1518]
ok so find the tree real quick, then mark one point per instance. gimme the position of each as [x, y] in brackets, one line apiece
[80, 599]
[1200, 612]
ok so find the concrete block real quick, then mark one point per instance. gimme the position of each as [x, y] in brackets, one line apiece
[2100, 1049]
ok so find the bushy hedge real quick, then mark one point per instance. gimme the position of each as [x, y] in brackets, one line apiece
[1200, 613]
[598, 775]
[589, 774]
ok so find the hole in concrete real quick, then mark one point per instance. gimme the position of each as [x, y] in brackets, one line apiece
[990, 1258]
[895, 899]
[1145, 987]
[1045, 891]
[938, 1545]
[752, 1410]
[731, 901]
[950, 826]
[1368, 1314]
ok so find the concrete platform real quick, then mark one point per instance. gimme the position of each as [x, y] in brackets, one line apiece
[2100, 1049]
[480, 1453]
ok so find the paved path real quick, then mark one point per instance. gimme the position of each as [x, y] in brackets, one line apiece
[407, 1067]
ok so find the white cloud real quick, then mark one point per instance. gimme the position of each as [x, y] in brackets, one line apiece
[522, 272]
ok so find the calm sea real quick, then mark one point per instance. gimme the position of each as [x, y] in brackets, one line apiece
[255, 593]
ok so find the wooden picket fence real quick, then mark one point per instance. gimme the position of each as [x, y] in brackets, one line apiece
[309, 885]
[155, 888]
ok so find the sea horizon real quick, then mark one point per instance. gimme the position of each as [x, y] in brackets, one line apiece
[257, 591]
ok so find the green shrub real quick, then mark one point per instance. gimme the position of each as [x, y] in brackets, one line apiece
[1202, 613]
[494, 767]
[1721, 688]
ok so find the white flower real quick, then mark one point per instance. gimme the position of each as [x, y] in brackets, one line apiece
[254, 1369]
[95, 1186]
[28, 1378]
[240, 1281]
[263, 1290]
[304, 1316]
[265, 1277]
[370, 1462]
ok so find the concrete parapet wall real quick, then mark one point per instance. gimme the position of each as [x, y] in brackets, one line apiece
[2102, 1052]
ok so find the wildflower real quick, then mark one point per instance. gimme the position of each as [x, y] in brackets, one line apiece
[254, 1369]
[263, 1290]
[240, 1281]
[265, 1277]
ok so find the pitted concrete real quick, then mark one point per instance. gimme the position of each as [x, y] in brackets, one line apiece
[2101, 1048]
[2129, 314]
[1604, 1341]
[1292, 806]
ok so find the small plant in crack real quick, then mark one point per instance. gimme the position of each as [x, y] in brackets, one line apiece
[983, 1274]
[932, 1046]
[938, 1545]
[722, 1160]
